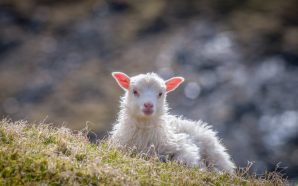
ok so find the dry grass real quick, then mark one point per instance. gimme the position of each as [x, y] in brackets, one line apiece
[38, 154]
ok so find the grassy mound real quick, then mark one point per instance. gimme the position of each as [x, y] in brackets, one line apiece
[35, 154]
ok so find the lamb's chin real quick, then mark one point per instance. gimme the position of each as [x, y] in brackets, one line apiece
[145, 117]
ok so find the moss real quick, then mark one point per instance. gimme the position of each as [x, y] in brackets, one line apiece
[40, 154]
[50, 140]
[80, 157]
[3, 137]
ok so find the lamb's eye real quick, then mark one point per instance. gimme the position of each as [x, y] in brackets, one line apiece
[136, 93]
[160, 94]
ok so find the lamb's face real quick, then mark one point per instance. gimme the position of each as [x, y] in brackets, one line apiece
[146, 96]
[146, 93]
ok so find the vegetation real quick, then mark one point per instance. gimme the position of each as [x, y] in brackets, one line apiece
[35, 154]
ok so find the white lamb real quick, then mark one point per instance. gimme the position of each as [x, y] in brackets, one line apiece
[144, 125]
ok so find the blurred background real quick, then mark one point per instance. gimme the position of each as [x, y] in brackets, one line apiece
[239, 58]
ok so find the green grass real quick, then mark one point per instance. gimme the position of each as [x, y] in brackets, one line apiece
[39, 154]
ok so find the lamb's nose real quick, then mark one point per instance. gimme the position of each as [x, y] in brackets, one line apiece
[148, 105]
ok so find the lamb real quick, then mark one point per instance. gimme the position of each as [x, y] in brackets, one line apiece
[145, 125]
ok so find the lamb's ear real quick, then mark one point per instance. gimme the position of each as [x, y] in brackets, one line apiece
[173, 83]
[122, 79]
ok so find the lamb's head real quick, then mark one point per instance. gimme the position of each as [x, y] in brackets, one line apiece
[145, 96]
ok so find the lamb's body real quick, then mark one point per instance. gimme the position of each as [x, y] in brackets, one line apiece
[189, 142]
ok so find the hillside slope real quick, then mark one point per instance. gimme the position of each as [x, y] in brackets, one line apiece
[34, 154]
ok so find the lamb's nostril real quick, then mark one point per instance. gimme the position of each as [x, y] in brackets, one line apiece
[148, 105]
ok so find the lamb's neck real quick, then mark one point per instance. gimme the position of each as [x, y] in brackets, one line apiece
[140, 133]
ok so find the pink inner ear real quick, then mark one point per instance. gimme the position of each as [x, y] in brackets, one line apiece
[122, 79]
[173, 83]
